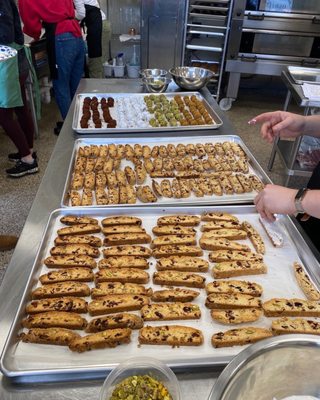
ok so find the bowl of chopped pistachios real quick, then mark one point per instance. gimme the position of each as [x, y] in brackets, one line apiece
[141, 378]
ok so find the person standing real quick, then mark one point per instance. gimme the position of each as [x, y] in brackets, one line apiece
[90, 15]
[13, 74]
[65, 46]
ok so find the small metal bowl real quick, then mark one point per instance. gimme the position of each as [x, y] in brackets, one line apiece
[153, 72]
[191, 78]
[157, 84]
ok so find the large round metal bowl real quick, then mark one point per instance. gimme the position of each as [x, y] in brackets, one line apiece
[157, 84]
[153, 72]
[191, 78]
[276, 368]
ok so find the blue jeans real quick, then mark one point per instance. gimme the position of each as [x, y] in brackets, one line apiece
[70, 57]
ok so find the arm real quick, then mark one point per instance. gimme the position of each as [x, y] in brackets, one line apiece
[32, 22]
[80, 9]
[274, 199]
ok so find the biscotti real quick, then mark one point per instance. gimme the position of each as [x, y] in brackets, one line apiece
[173, 230]
[177, 278]
[78, 239]
[170, 311]
[305, 283]
[127, 250]
[184, 220]
[229, 269]
[121, 220]
[65, 275]
[176, 250]
[273, 232]
[73, 220]
[182, 263]
[115, 229]
[254, 237]
[75, 249]
[121, 320]
[218, 216]
[170, 335]
[70, 261]
[240, 336]
[80, 229]
[234, 286]
[124, 262]
[236, 316]
[72, 304]
[173, 240]
[56, 319]
[55, 336]
[61, 289]
[124, 275]
[116, 303]
[174, 294]
[232, 300]
[207, 242]
[278, 307]
[105, 288]
[101, 340]
[234, 255]
[126, 238]
[227, 233]
[285, 325]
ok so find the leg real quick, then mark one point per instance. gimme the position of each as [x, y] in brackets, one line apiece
[78, 66]
[95, 67]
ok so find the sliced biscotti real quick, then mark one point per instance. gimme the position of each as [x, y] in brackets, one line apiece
[70, 261]
[81, 229]
[218, 216]
[56, 319]
[174, 240]
[116, 303]
[232, 300]
[121, 320]
[145, 194]
[171, 335]
[234, 286]
[236, 316]
[170, 311]
[93, 241]
[227, 233]
[208, 242]
[74, 220]
[173, 230]
[174, 294]
[65, 275]
[176, 250]
[229, 269]
[278, 307]
[71, 304]
[59, 289]
[285, 325]
[234, 255]
[184, 220]
[127, 250]
[126, 238]
[75, 249]
[101, 340]
[182, 263]
[305, 283]
[55, 336]
[124, 262]
[121, 220]
[254, 237]
[240, 336]
[105, 288]
[177, 278]
[124, 275]
[115, 229]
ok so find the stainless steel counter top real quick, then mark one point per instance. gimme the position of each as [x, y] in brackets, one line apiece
[195, 384]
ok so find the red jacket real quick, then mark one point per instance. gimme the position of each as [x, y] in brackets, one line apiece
[34, 12]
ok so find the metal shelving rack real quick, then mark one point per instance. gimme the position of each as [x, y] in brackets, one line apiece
[206, 37]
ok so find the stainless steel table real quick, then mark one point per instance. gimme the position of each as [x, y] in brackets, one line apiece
[194, 384]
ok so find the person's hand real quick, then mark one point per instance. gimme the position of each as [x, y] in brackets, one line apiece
[279, 123]
[274, 199]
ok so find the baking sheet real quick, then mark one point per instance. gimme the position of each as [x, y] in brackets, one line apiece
[254, 167]
[302, 75]
[44, 362]
[135, 114]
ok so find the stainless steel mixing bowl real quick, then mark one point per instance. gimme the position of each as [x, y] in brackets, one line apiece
[191, 78]
[153, 72]
[157, 84]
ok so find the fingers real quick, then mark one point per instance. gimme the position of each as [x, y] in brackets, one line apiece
[262, 209]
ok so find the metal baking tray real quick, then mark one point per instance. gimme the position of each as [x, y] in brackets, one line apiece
[302, 75]
[35, 362]
[254, 167]
[132, 99]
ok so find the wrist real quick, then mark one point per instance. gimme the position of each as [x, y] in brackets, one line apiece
[299, 200]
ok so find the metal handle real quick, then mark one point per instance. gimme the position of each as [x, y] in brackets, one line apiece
[257, 17]
[249, 59]
[309, 62]
[316, 20]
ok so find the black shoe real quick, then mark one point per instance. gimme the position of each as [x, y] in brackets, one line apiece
[15, 157]
[58, 127]
[21, 168]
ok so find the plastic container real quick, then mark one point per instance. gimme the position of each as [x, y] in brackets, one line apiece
[133, 71]
[118, 71]
[141, 366]
[108, 69]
